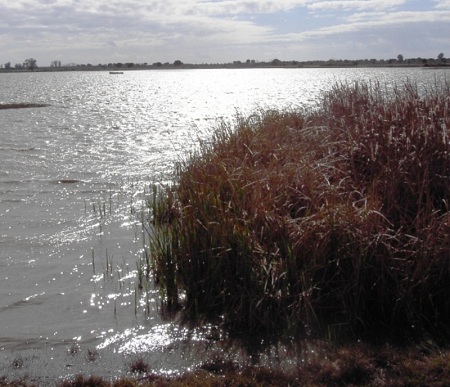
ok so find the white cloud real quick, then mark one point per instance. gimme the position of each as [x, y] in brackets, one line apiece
[222, 30]
[404, 18]
[228, 7]
[442, 4]
[355, 4]
[366, 21]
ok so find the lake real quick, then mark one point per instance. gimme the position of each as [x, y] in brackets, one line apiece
[73, 176]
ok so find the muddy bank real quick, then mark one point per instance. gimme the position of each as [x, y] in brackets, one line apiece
[21, 105]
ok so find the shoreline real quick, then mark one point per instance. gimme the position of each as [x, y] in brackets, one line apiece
[339, 365]
[115, 69]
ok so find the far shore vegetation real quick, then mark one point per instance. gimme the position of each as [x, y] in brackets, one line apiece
[31, 64]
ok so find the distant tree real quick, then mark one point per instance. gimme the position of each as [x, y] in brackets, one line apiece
[177, 63]
[276, 62]
[55, 63]
[400, 58]
[157, 64]
[129, 65]
[441, 57]
[8, 65]
[30, 63]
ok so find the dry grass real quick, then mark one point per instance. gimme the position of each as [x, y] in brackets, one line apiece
[355, 365]
[333, 221]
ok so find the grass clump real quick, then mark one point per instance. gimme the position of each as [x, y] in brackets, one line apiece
[354, 365]
[333, 221]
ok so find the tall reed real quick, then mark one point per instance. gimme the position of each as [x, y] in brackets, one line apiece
[332, 221]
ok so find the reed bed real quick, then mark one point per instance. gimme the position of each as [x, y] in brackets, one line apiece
[329, 221]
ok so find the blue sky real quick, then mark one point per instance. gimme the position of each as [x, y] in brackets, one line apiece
[219, 31]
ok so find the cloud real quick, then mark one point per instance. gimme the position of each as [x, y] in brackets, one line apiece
[380, 19]
[171, 18]
[355, 4]
[233, 7]
[370, 21]
[221, 30]
[442, 4]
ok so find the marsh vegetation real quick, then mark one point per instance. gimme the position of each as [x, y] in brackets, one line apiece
[330, 222]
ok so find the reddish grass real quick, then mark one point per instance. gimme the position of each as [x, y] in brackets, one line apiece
[352, 365]
[333, 221]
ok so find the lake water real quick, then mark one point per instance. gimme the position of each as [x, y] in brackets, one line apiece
[72, 179]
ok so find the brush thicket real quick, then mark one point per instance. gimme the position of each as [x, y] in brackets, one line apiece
[333, 220]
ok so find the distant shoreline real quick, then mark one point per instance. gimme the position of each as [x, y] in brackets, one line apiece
[167, 66]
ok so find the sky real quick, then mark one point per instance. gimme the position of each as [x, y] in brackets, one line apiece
[220, 31]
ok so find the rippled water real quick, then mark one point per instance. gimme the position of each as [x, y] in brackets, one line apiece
[72, 176]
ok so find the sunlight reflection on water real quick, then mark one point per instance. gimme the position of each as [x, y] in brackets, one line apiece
[74, 174]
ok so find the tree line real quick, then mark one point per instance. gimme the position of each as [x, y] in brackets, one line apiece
[440, 60]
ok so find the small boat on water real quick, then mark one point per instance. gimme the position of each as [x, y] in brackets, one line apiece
[116, 72]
